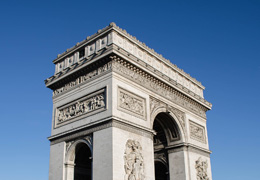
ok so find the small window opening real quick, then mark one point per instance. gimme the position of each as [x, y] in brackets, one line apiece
[81, 53]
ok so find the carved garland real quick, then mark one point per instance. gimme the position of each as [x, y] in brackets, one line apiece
[144, 79]
[134, 161]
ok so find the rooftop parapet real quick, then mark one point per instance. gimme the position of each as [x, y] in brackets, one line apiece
[113, 34]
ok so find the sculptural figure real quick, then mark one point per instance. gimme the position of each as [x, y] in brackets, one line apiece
[201, 167]
[134, 163]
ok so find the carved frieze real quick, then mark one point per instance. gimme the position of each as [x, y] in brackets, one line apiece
[83, 78]
[134, 162]
[197, 132]
[202, 168]
[144, 79]
[131, 103]
[90, 103]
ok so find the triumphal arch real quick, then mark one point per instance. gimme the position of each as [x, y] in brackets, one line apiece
[123, 112]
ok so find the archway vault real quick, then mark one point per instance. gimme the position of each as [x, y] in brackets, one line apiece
[71, 148]
[78, 159]
[175, 118]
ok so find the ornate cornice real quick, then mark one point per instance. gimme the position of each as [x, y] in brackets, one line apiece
[154, 84]
[96, 71]
[85, 65]
[112, 35]
[113, 26]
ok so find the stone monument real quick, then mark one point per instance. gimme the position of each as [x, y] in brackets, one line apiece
[123, 112]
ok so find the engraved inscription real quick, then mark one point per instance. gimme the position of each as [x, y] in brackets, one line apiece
[131, 103]
[197, 132]
[82, 106]
[134, 162]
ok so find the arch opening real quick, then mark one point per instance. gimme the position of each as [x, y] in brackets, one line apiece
[83, 162]
[161, 171]
[166, 133]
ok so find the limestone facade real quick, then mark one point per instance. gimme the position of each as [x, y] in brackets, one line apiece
[136, 113]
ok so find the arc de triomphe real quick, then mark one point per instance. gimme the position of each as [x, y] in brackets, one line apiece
[123, 112]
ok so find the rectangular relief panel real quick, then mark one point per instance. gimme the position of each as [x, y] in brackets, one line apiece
[85, 106]
[131, 103]
[197, 132]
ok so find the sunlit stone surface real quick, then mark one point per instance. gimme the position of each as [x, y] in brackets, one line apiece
[123, 112]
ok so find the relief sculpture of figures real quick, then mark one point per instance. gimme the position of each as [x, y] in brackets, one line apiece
[197, 132]
[81, 107]
[131, 103]
[201, 167]
[134, 163]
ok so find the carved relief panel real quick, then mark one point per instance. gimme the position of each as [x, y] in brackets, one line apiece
[131, 103]
[202, 168]
[87, 105]
[197, 132]
[134, 162]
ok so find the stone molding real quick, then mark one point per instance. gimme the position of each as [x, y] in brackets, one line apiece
[165, 67]
[91, 48]
[197, 132]
[79, 133]
[180, 85]
[142, 78]
[113, 34]
[68, 145]
[156, 104]
[202, 152]
[75, 70]
[161, 156]
[133, 161]
[131, 103]
[84, 106]
[172, 81]
[133, 129]
[83, 78]
[88, 139]
[178, 149]
[189, 148]
[70, 136]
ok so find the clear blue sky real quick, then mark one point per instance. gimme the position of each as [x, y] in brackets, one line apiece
[217, 42]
